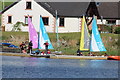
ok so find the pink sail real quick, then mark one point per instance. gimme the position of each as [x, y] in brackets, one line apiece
[33, 36]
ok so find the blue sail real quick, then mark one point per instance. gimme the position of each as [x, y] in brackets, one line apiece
[96, 42]
[43, 36]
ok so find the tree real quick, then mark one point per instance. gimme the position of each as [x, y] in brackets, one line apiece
[117, 30]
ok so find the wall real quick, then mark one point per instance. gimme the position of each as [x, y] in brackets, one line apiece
[19, 12]
[71, 25]
[117, 22]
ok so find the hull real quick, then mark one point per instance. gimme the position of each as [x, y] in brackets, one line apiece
[46, 56]
[113, 58]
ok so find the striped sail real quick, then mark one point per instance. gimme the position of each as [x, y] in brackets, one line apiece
[43, 36]
[85, 37]
[96, 42]
[33, 36]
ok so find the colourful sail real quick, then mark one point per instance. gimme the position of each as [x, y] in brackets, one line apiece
[96, 42]
[43, 36]
[85, 37]
[33, 36]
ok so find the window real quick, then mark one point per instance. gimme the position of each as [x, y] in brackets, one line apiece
[26, 20]
[97, 3]
[111, 21]
[28, 5]
[61, 22]
[45, 20]
[9, 19]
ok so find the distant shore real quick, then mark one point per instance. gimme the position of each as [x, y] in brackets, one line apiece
[69, 42]
[59, 56]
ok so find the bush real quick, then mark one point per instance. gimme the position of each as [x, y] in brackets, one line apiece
[117, 30]
[106, 28]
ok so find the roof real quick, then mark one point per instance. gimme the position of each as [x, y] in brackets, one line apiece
[9, 6]
[108, 10]
[66, 9]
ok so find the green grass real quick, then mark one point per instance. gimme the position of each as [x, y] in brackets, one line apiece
[71, 41]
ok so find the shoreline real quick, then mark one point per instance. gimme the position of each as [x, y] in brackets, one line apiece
[52, 56]
[79, 57]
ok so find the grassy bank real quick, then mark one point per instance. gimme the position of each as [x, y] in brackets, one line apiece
[69, 42]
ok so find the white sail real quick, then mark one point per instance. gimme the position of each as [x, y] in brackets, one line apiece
[96, 41]
[43, 36]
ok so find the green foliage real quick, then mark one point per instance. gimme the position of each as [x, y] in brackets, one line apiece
[6, 3]
[106, 28]
[117, 30]
[0, 19]
[0, 5]
[17, 26]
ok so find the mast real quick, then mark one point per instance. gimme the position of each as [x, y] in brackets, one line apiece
[57, 37]
[39, 35]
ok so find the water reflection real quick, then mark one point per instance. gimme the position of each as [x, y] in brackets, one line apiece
[16, 67]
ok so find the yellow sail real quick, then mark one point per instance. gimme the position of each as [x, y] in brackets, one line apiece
[85, 37]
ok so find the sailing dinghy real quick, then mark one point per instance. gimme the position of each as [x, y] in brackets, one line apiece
[43, 36]
[33, 36]
[91, 43]
[38, 40]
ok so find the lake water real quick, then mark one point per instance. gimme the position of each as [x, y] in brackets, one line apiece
[26, 67]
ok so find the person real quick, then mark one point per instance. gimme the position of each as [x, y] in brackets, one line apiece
[42, 53]
[48, 52]
[81, 54]
[30, 47]
[26, 43]
[90, 54]
[22, 47]
[105, 54]
[78, 52]
[37, 52]
[46, 46]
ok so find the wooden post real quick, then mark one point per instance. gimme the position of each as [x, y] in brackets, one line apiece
[3, 27]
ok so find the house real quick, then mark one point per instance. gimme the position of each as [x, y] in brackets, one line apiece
[69, 14]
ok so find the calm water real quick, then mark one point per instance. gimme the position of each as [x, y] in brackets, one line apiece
[24, 67]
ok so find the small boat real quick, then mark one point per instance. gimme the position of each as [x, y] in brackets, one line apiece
[93, 42]
[38, 39]
[8, 45]
[113, 58]
[34, 55]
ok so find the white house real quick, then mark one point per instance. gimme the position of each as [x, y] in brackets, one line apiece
[69, 15]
